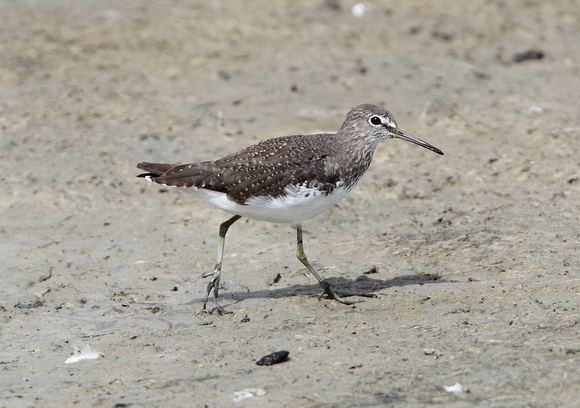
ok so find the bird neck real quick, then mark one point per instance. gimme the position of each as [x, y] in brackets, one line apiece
[355, 156]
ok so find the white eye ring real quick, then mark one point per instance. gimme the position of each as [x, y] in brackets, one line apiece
[375, 121]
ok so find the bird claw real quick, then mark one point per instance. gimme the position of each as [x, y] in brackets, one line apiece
[218, 309]
[331, 293]
[213, 284]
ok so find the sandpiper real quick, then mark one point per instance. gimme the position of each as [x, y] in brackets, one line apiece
[287, 179]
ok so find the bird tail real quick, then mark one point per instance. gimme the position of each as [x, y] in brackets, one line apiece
[154, 169]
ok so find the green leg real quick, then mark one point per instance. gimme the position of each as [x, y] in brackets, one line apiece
[326, 288]
[216, 274]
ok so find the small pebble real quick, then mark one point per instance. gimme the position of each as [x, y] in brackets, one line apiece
[274, 358]
[528, 55]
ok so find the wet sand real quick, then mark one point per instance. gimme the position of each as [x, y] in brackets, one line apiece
[473, 256]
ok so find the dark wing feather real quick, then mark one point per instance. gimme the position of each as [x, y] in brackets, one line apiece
[266, 168]
[154, 169]
[269, 167]
[182, 175]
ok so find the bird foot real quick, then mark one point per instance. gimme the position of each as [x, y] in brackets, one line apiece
[213, 284]
[218, 309]
[331, 293]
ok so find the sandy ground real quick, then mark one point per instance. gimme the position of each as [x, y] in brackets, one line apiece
[474, 256]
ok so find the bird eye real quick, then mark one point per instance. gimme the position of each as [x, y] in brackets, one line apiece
[375, 120]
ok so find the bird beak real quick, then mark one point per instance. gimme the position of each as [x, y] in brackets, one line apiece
[401, 134]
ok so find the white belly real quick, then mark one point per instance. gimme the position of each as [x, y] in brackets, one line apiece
[297, 205]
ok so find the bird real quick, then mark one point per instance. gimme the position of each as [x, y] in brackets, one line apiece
[288, 179]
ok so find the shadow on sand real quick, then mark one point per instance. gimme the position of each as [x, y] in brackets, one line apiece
[362, 284]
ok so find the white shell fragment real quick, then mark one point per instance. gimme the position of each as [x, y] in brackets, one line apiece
[83, 353]
[360, 9]
[248, 393]
[455, 388]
